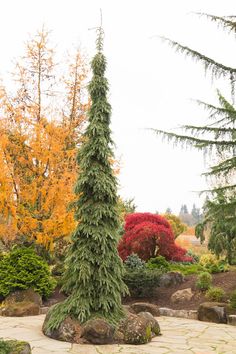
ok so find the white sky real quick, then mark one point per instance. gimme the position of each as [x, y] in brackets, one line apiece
[150, 85]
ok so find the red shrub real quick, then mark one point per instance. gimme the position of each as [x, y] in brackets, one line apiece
[150, 235]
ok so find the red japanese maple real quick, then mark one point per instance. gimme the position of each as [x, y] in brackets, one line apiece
[150, 235]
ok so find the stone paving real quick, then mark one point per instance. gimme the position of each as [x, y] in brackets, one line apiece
[179, 336]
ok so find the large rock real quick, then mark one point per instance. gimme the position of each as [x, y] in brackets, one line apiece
[145, 307]
[155, 328]
[191, 314]
[182, 295]
[232, 320]
[212, 312]
[18, 347]
[98, 331]
[133, 329]
[28, 295]
[171, 279]
[19, 309]
[68, 331]
[138, 329]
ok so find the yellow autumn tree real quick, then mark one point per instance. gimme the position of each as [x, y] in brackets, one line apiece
[41, 126]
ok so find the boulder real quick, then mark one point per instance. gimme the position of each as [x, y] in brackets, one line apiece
[19, 309]
[182, 295]
[145, 307]
[133, 329]
[139, 329]
[191, 314]
[98, 331]
[28, 295]
[212, 312]
[128, 309]
[18, 347]
[232, 320]
[171, 279]
[155, 328]
[68, 331]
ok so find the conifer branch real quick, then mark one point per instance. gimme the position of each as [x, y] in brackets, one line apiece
[227, 22]
[217, 69]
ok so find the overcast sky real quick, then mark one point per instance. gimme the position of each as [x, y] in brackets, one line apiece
[151, 86]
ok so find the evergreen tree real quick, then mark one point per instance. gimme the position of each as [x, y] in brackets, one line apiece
[94, 269]
[218, 216]
[217, 138]
[168, 211]
[183, 209]
[195, 212]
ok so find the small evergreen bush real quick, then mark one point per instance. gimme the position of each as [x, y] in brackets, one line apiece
[186, 269]
[158, 263]
[204, 281]
[193, 255]
[233, 299]
[134, 262]
[215, 294]
[22, 269]
[142, 282]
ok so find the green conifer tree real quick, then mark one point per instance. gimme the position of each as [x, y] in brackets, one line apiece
[218, 139]
[94, 269]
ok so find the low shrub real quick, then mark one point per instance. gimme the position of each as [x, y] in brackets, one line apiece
[220, 267]
[212, 264]
[22, 269]
[232, 299]
[215, 294]
[134, 262]
[204, 281]
[193, 255]
[186, 269]
[158, 263]
[208, 259]
[142, 282]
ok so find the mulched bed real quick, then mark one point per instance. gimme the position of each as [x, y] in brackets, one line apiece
[162, 296]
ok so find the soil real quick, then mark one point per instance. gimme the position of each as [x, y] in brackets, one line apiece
[161, 297]
[226, 281]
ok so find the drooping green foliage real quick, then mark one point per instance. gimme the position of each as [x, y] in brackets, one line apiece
[221, 217]
[216, 139]
[94, 270]
[23, 269]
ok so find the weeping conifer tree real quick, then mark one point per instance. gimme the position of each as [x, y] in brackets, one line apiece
[218, 139]
[94, 269]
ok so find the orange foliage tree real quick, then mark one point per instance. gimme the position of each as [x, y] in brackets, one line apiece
[40, 126]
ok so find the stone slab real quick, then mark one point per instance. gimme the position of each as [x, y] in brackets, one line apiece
[179, 336]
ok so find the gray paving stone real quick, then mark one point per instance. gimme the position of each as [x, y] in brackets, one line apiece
[179, 336]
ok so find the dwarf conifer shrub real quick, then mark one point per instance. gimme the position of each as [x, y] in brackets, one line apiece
[22, 269]
[142, 282]
[134, 262]
[204, 281]
[158, 263]
[215, 294]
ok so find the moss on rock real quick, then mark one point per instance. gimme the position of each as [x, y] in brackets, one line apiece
[14, 347]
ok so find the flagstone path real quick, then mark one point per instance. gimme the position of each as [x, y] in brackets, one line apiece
[179, 336]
